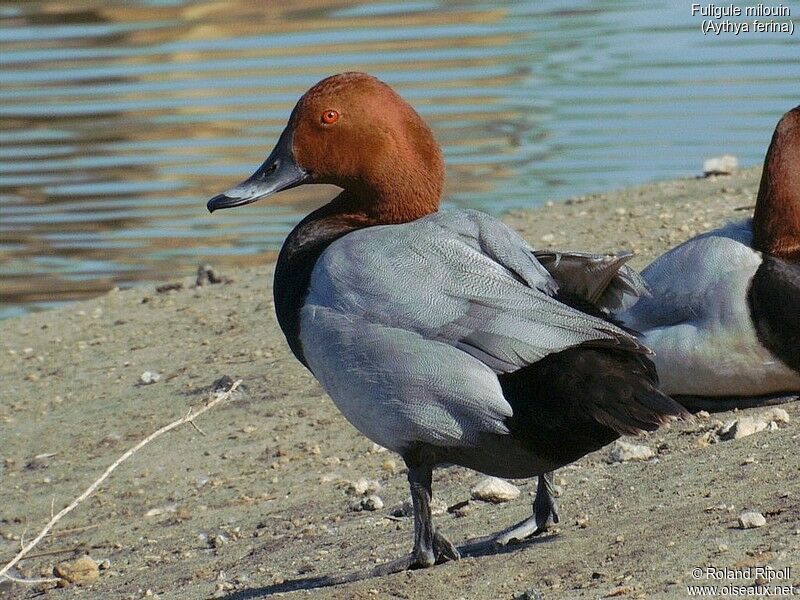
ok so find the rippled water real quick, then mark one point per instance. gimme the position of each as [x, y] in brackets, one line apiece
[119, 120]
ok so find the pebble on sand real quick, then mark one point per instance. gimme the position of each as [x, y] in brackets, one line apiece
[493, 489]
[776, 415]
[149, 377]
[720, 165]
[770, 420]
[161, 510]
[81, 571]
[370, 503]
[363, 487]
[750, 519]
[742, 427]
[625, 451]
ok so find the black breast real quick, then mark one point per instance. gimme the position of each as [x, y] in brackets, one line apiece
[774, 301]
[296, 262]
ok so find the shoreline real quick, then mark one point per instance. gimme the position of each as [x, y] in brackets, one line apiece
[524, 220]
[262, 497]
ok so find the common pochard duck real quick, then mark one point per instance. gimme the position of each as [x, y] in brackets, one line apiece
[440, 335]
[724, 313]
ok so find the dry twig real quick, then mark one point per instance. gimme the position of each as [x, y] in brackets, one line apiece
[31, 581]
[189, 418]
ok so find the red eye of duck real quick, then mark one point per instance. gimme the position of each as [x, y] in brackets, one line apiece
[330, 116]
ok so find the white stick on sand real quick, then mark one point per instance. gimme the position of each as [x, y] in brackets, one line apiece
[189, 418]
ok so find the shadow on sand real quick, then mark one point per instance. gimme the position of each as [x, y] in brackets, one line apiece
[471, 549]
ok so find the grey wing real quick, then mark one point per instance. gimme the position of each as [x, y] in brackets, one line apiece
[460, 278]
[398, 387]
[691, 282]
[604, 280]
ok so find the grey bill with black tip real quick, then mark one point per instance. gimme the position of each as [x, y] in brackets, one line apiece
[279, 172]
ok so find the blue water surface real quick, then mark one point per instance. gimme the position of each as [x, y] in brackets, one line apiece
[119, 120]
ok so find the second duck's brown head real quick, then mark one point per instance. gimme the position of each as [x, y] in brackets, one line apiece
[776, 221]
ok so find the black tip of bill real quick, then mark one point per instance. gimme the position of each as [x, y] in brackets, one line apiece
[223, 201]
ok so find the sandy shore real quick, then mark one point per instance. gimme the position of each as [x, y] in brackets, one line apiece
[262, 498]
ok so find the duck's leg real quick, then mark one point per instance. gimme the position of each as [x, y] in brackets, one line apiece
[429, 545]
[545, 513]
[545, 506]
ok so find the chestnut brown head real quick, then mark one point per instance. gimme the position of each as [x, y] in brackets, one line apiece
[353, 131]
[776, 221]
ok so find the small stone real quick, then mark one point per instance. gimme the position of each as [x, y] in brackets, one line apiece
[149, 377]
[217, 540]
[720, 165]
[548, 237]
[720, 507]
[363, 487]
[703, 414]
[161, 510]
[582, 521]
[81, 571]
[776, 415]
[750, 519]
[376, 449]
[493, 489]
[389, 465]
[742, 427]
[104, 565]
[625, 451]
[372, 503]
